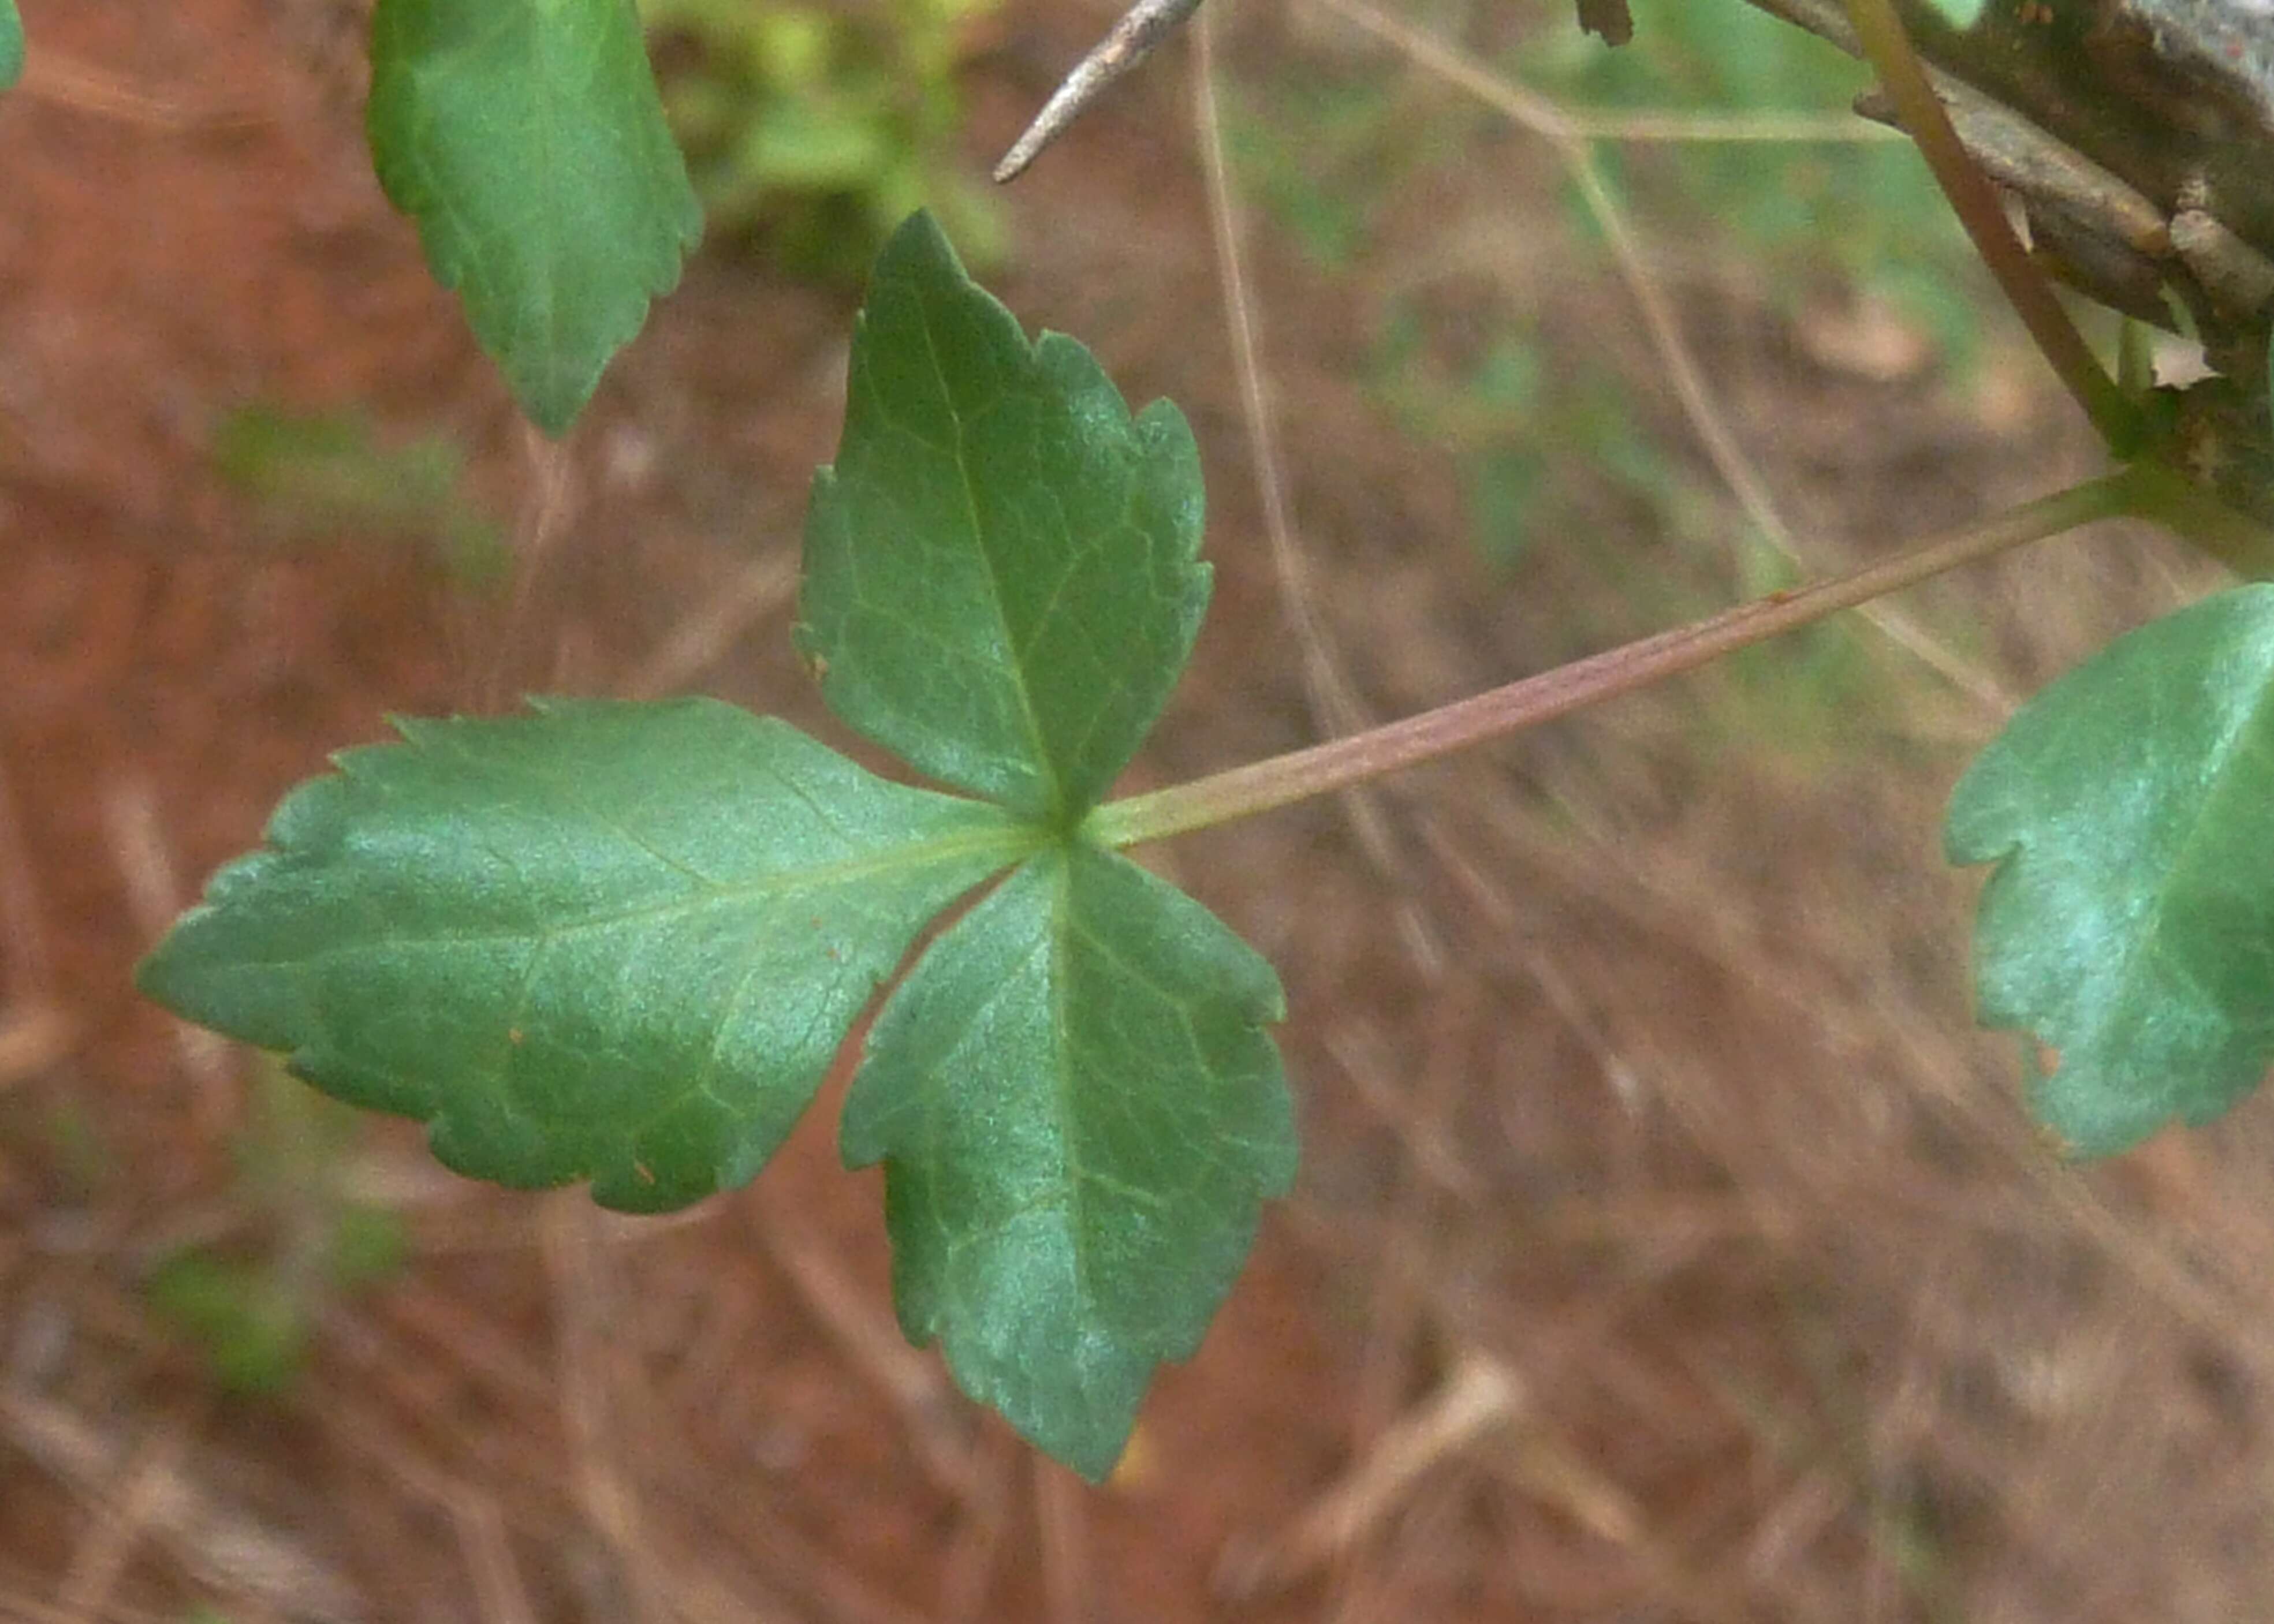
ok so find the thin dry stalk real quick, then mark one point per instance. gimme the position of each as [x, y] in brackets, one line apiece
[977, 1550]
[2181, 1279]
[606, 1487]
[57, 79]
[1478, 1398]
[1555, 1475]
[831, 1587]
[539, 1508]
[1569, 139]
[936, 1419]
[126, 1514]
[1397, 1312]
[468, 1339]
[392, 1387]
[215, 1540]
[547, 512]
[26, 1606]
[1780, 1537]
[478, 1518]
[1393, 1312]
[1491, 900]
[26, 957]
[1365, 1062]
[701, 639]
[32, 1038]
[1069, 1573]
[1335, 706]
[1646, 126]
[499, 1592]
[154, 898]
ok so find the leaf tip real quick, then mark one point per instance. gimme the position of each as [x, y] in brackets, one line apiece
[156, 974]
[541, 171]
[919, 244]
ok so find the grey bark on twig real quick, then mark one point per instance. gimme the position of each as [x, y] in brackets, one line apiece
[2148, 125]
[1135, 37]
[2138, 137]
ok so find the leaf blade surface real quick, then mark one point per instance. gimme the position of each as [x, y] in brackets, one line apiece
[611, 941]
[12, 45]
[1080, 1113]
[1002, 580]
[2129, 921]
[527, 139]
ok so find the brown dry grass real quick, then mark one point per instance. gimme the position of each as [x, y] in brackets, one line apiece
[1669, 1247]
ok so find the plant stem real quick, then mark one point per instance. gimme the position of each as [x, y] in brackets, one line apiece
[1338, 764]
[1888, 50]
[2205, 521]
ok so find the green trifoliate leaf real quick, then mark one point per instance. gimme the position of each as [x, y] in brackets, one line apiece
[614, 942]
[1079, 1114]
[527, 139]
[12, 45]
[2129, 924]
[1002, 581]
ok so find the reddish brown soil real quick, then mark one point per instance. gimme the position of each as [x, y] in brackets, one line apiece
[1633, 1058]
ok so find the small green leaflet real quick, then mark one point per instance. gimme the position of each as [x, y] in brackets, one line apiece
[1002, 581]
[1080, 1116]
[623, 942]
[1077, 1105]
[12, 45]
[1958, 14]
[527, 139]
[2129, 923]
[616, 942]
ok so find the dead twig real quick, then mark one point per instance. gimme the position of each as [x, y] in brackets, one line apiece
[606, 1489]
[1333, 699]
[61, 82]
[1570, 138]
[702, 638]
[26, 955]
[217, 1541]
[936, 1419]
[1069, 1576]
[1479, 1396]
[126, 1513]
[971, 1559]
[1135, 37]
[32, 1037]
[154, 896]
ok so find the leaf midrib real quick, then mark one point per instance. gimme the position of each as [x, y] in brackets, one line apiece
[2150, 945]
[1054, 792]
[942, 852]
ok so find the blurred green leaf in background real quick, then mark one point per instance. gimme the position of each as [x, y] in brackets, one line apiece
[12, 45]
[318, 476]
[1866, 208]
[249, 1300]
[816, 129]
[526, 139]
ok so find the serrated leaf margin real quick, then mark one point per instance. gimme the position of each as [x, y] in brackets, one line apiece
[2106, 1090]
[553, 360]
[1012, 1327]
[211, 965]
[1017, 761]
